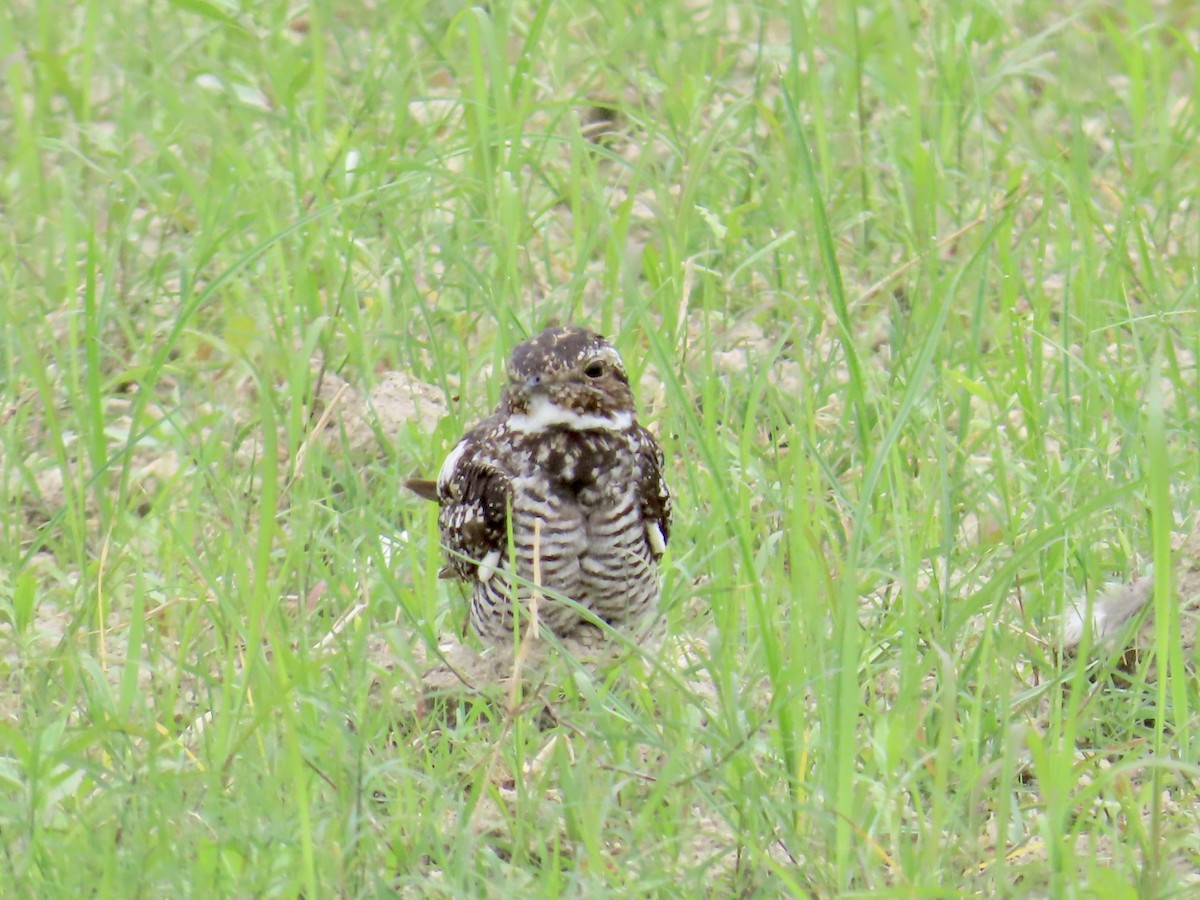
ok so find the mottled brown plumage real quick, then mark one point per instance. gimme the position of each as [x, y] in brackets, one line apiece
[563, 466]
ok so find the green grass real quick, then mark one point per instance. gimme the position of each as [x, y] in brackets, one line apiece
[910, 291]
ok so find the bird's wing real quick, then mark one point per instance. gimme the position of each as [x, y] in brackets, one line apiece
[474, 495]
[653, 496]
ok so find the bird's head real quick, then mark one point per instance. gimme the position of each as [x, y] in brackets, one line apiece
[568, 377]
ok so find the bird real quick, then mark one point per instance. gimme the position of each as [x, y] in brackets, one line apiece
[559, 493]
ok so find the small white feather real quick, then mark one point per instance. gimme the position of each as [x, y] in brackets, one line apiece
[1112, 607]
[658, 544]
[487, 566]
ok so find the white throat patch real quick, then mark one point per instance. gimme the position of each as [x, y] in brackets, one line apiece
[544, 413]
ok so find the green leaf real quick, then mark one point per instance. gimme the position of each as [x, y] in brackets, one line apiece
[208, 11]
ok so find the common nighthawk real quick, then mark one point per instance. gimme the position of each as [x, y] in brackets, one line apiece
[563, 466]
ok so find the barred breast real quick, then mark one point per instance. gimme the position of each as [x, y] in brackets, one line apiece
[618, 574]
[581, 537]
[549, 534]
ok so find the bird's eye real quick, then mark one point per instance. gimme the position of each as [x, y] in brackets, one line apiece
[594, 370]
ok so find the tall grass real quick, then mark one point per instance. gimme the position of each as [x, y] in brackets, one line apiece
[909, 293]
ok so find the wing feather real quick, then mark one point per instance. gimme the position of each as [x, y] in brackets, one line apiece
[474, 495]
[653, 496]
